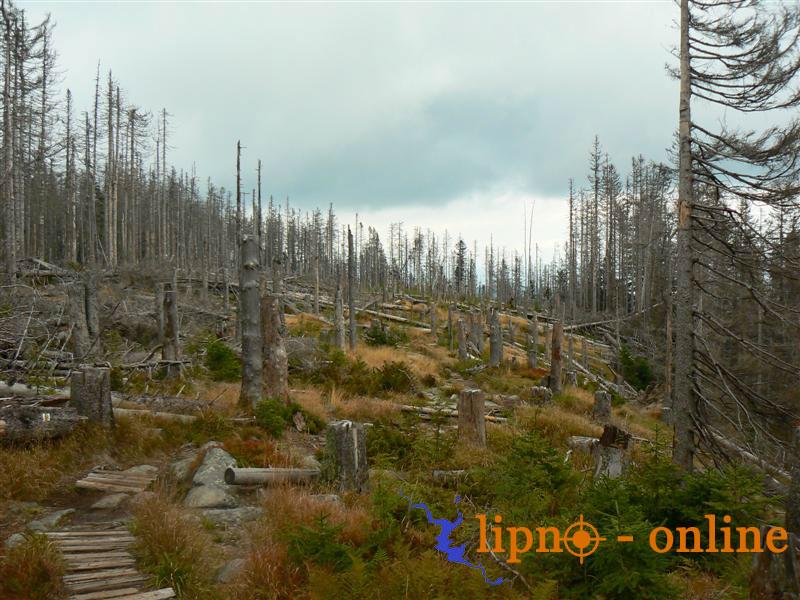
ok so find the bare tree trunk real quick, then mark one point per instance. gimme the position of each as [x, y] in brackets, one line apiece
[585, 353]
[495, 340]
[171, 349]
[345, 458]
[273, 353]
[450, 332]
[250, 294]
[9, 217]
[76, 311]
[316, 283]
[462, 340]
[432, 306]
[351, 268]
[471, 417]
[92, 316]
[338, 318]
[555, 361]
[90, 394]
[684, 401]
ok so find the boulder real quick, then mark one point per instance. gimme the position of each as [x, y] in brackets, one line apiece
[110, 502]
[230, 570]
[51, 520]
[232, 517]
[212, 470]
[209, 496]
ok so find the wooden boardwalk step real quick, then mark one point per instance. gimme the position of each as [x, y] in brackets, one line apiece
[116, 481]
[99, 565]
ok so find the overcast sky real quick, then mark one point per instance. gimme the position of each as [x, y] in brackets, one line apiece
[438, 115]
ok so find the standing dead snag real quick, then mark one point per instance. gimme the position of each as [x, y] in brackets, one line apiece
[345, 458]
[76, 311]
[450, 332]
[275, 373]
[433, 320]
[351, 277]
[462, 340]
[170, 350]
[90, 394]
[555, 360]
[601, 412]
[338, 319]
[495, 341]
[471, 417]
[533, 342]
[92, 315]
[250, 303]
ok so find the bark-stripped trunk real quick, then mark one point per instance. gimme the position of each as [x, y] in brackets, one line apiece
[273, 351]
[684, 400]
[462, 340]
[495, 341]
[555, 360]
[338, 319]
[351, 268]
[249, 274]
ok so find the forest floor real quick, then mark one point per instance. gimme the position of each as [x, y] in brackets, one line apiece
[206, 539]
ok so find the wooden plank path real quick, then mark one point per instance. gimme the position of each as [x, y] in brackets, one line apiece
[99, 565]
[116, 481]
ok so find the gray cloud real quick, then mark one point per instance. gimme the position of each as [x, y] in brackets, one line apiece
[369, 106]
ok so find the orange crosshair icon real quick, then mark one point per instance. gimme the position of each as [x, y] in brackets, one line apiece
[581, 539]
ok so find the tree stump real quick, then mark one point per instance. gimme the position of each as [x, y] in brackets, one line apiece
[471, 417]
[533, 355]
[610, 453]
[572, 378]
[774, 576]
[463, 354]
[601, 412]
[250, 303]
[171, 350]
[495, 341]
[90, 394]
[476, 332]
[76, 313]
[275, 360]
[541, 394]
[338, 319]
[555, 360]
[345, 460]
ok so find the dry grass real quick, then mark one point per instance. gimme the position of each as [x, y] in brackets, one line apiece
[556, 423]
[175, 549]
[577, 400]
[360, 408]
[312, 401]
[377, 356]
[267, 573]
[32, 570]
[287, 508]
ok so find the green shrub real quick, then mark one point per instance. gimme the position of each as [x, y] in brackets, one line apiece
[635, 369]
[222, 362]
[274, 416]
[393, 377]
[378, 335]
[320, 545]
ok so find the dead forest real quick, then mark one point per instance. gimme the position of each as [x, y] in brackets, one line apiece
[212, 393]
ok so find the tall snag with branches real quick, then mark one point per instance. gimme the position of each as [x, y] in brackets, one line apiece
[730, 364]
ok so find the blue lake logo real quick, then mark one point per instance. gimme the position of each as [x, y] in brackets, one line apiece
[454, 554]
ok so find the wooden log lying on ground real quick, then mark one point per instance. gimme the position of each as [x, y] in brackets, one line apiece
[26, 423]
[270, 476]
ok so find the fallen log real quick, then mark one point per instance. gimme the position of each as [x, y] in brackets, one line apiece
[134, 412]
[269, 476]
[26, 423]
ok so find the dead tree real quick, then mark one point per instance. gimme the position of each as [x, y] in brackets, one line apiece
[471, 417]
[495, 340]
[76, 311]
[533, 342]
[463, 354]
[351, 277]
[601, 411]
[316, 283]
[555, 359]
[610, 453]
[275, 373]
[345, 459]
[338, 319]
[92, 315]
[170, 350]
[432, 308]
[90, 394]
[450, 332]
[585, 353]
[250, 303]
